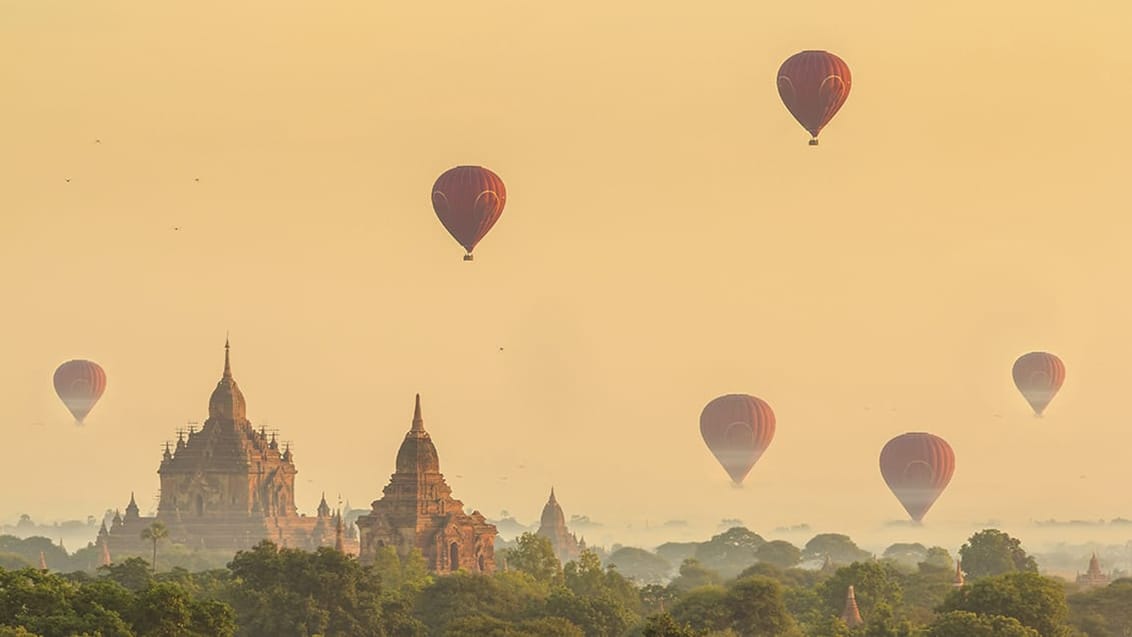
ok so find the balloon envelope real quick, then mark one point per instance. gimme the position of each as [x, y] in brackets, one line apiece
[814, 86]
[737, 429]
[80, 384]
[1038, 375]
[917, 467]
[468, 200]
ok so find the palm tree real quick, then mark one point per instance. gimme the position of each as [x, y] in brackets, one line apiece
[155, 532]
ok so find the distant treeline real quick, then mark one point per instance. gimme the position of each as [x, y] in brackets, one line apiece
[910, 591]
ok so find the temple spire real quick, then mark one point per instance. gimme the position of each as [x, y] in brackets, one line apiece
[418, 421]
[42, 562]
[338, 544]
[552, 499]
[958, 582]
[132, 512]
[851, 615]
[227, 362]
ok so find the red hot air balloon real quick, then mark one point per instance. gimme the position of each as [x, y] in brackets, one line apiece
[737, 428]
[1038, 375]
[917, 467]
[814, 85]
[468, 200]
[80, 384]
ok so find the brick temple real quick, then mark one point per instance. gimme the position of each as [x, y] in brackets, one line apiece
[417, 511]
[228, 486]
[552, 526]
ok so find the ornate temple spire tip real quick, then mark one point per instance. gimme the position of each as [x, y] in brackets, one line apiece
[418, 420]
[227, 360]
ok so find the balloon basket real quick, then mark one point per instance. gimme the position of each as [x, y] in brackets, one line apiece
[814, 142]
[468, 257]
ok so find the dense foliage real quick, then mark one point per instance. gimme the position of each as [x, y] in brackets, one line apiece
[269, 591]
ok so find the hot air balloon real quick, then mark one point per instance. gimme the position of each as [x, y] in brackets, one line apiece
[468, 200]
[80, 384]
[737, 429]
[917, 467]
[1038, 375]
[814, 85]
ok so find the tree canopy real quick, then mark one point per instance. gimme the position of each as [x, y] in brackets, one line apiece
[268, 590]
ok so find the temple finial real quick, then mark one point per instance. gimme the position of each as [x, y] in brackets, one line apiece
[339, 545]
[227, 362]
[418, 420]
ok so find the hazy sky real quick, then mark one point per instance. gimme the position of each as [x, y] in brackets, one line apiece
[668, 237]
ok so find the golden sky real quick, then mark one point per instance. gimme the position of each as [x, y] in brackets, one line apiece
[668, 237]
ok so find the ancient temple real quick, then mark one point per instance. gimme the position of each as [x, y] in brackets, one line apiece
[958, 581]
[552, 526]
[1094, 577]
[226, 486]
[851, 615]
[827, 566]
[417, 511]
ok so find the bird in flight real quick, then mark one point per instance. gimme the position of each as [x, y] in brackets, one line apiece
[176, 227]
[68, 180]
[98, 141]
